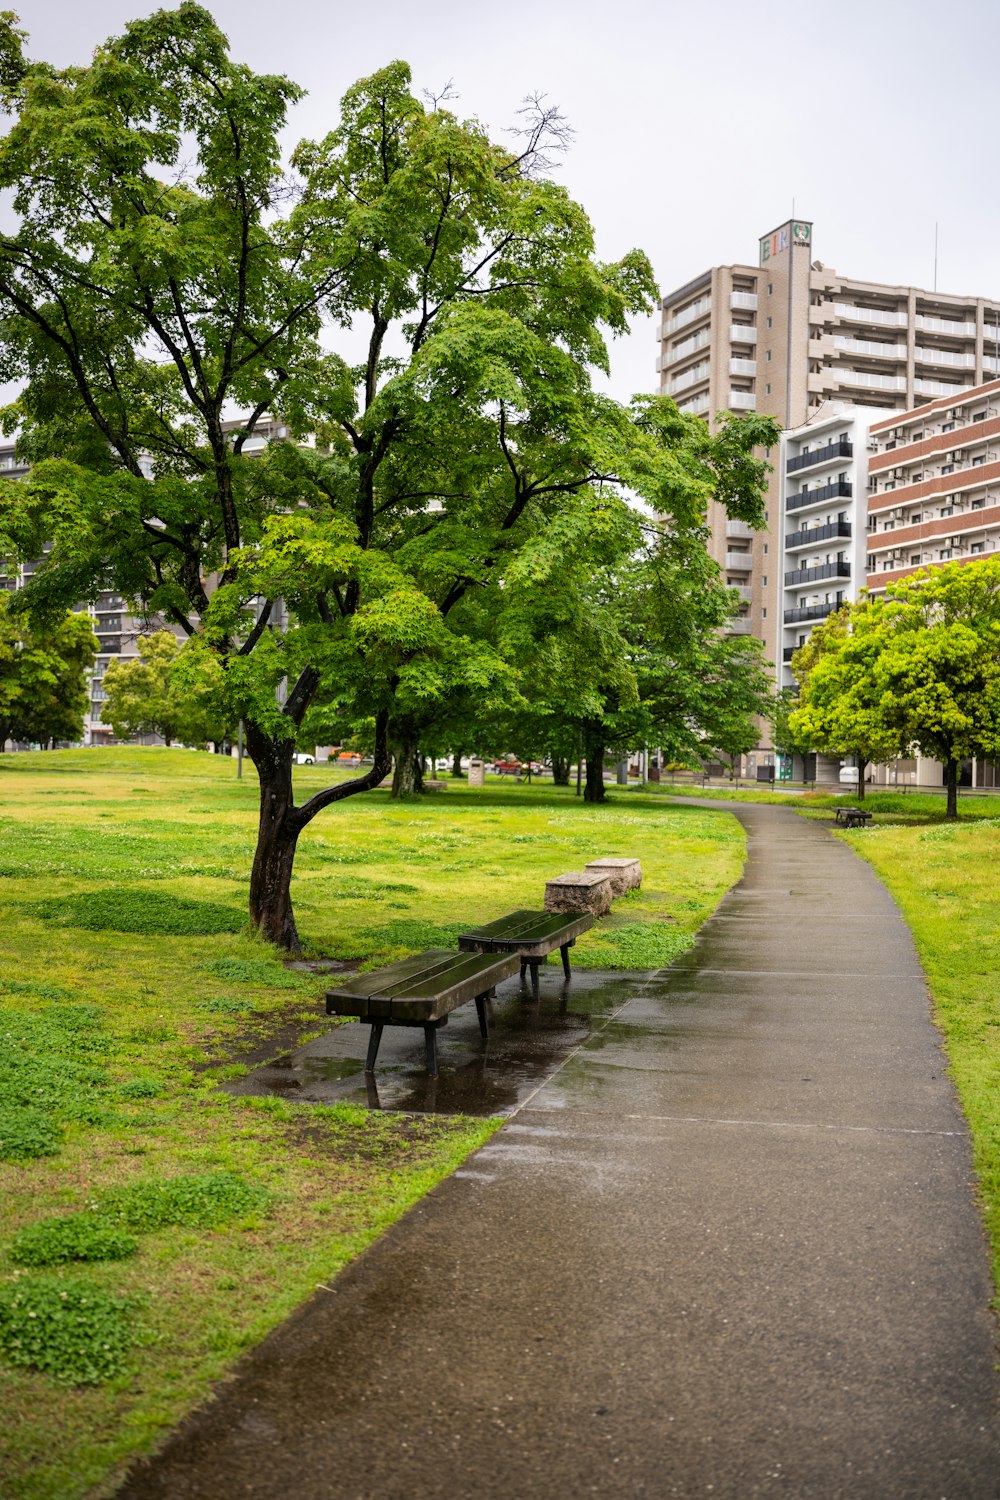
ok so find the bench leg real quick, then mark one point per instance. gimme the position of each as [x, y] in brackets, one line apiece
[484, 1026]
[430, 1048]
[524, 966]
[564, 950]
[533, 966]
[373, 1045]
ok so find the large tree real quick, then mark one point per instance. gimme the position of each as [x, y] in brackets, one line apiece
[146, 694]
[167, 269]
[43, 676]
[916, 668]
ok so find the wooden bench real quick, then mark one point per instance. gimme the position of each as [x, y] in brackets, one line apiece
[531, 935]
[421, 991]
[852, 817]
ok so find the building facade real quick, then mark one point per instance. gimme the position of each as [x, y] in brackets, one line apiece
[788, 335]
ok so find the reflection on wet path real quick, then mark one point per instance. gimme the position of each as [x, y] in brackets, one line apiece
[527, 1044]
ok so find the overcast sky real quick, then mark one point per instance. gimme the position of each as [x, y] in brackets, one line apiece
[697, 124]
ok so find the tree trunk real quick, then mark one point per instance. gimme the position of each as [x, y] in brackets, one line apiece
[408, 770]
[277, 835]
[456, 763]
[862, 768]
[951, 782]
[560, 770]
[593, 791]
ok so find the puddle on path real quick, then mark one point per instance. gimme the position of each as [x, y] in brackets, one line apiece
[527, 1044]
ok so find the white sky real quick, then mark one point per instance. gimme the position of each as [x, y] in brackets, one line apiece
[696, 124]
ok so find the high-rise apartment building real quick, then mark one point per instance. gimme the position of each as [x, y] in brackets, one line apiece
[788, 334]
[934, 485]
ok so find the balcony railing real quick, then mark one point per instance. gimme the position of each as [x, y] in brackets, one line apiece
[739, 562]
[740, 625]
[883, 315]
[834, 491]
[938, 387]
[689, 346]
[812, 534]
[945, 325]
[866, 346]
[743, 590]
[742, 401]
[871, 381]
[696, 310]
[742, 367]
[742, 333]
[810, 612]
[746, 300]
[945, 357]
[825, 570]
[692, 376]
[788, 653]
[738, 528]
[839, 448]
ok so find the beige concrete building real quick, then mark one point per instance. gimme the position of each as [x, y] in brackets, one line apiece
[788, 334]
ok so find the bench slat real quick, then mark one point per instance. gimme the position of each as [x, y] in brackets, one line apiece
[422, 988]
[528, 931]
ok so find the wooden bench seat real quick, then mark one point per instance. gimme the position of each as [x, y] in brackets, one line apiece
[531, 935]
[421, 991]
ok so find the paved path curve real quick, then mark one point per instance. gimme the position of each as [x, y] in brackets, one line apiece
[730, 1249]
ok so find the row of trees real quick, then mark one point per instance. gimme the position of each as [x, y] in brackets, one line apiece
[449, 533]
[915, 668]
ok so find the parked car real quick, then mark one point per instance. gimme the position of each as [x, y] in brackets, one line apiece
[849, 775]
[303, 758]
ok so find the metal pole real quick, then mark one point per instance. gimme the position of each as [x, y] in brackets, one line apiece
[239, 753]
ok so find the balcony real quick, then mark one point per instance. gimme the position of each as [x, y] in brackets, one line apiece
[738, 626]
[945, 325]
[812, 575]
[810, 535]
[682, 319]
[810, 612]
[742, 367]
[867, 347]
[738, 528]
[834, 491]
[741, 590]
[746, 300]
[693, 376]
[839, 448]
[945, 357]
[788, 653]
[742, 401]
[742, 333]
[872, 381]
[689, 346]
[739, 562]
[885, 317]
[938, 387]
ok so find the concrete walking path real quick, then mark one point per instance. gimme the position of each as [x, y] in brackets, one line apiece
[729, 1249]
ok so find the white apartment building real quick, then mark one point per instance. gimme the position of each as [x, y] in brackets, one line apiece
[821, 556]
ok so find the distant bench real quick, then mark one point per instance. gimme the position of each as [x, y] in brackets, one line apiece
[531, 935]
[852, 817]
[421, 991]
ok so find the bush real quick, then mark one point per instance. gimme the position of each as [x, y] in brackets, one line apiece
[55, 1242]
[26, 1133]
[66, 1328]
[199, 1202]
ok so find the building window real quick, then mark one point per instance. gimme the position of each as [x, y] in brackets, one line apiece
[945, 553]
[947, 510]
[769, 322]
[888, 525]
[978, 547]
[768, 356]
[887, 567]
[765, 581]
[915, 560]
[767, 390]
[763, 614]
[976, 504]
[770, 287]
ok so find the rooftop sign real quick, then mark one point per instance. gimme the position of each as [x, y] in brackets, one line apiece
[795, 232]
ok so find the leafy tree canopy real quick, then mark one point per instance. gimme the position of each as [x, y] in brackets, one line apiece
[169, 268]
[43, 676]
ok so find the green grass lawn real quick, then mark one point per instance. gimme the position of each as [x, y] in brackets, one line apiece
[155, 1227]
[944, 877]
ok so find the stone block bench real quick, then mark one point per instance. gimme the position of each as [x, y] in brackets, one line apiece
[421, 991]
[624, 874]
[531, 935]
[579, 892]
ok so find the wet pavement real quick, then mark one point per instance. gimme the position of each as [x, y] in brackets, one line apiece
[728, 1247]
[527, 1043]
